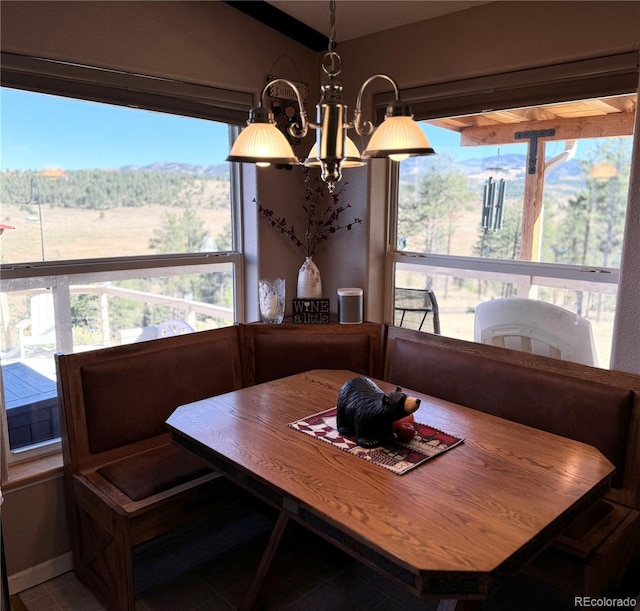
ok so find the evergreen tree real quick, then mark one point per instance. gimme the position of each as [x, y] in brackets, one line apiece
[503, 243]
[179, 233]
[592, 225]
[429, 206]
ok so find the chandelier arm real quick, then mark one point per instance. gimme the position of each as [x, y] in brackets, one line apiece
[297, 131]
[364, 129]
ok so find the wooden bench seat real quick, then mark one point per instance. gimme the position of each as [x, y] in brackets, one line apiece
[126, 481]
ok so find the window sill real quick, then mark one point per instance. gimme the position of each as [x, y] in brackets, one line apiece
[32, 471]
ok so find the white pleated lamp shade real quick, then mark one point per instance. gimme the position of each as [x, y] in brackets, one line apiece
[262, 143]
[398, 137]
[352, 160]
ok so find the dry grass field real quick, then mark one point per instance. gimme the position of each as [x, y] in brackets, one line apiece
[74, 233]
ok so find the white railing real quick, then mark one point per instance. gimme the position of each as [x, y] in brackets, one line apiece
[103, 284]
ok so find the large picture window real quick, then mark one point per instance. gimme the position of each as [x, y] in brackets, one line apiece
[118, 226]
[522, 202]
[85, 180]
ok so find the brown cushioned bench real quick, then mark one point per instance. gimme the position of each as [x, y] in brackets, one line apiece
[126, 481]
[595, 406]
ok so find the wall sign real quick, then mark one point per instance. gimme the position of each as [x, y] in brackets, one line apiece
[284, 105]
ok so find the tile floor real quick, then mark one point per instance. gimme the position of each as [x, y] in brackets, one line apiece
[209, 567]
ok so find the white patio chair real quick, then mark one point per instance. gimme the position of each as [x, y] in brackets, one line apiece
[167, 328]
[535, 326]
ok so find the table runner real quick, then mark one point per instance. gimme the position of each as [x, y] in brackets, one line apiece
[396, 457]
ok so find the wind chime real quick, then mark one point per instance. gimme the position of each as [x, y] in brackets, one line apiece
[493, 201]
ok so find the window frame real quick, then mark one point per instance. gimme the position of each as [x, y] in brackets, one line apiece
[120, 88]
[598, 77]
[590, 78]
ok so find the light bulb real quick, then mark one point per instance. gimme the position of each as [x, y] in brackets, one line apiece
[398, 157]
[263, 164]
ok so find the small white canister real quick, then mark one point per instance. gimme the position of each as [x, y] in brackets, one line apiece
[350, 306]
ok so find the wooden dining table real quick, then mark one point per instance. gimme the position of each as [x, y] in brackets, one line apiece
[453, 528]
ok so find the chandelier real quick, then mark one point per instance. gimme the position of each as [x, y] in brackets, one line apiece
[397, 137]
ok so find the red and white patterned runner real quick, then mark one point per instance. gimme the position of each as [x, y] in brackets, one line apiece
[398, 457]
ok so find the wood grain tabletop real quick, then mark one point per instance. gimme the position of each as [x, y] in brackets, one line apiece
[478, 510]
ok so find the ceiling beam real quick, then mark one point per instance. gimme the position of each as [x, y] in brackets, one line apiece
[282, 22]
[607, 126]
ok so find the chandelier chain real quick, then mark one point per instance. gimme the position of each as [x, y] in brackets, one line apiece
[332, 25]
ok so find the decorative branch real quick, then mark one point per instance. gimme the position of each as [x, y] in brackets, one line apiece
[322, 222]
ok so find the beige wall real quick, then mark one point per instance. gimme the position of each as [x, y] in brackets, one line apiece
[494, 38]
[211, 43]
[202, 42]
[34, 524]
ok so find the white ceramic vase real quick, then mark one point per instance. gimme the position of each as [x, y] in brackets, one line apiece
[309, 282]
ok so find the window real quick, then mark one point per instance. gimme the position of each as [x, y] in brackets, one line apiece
[520, 201]
[118, 225]
[87, 180]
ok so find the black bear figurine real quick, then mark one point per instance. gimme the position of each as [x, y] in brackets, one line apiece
[366, 411]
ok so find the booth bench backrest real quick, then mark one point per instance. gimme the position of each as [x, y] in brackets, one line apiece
[122, 395]
[276, 351]
[559, 397]
[116, 400]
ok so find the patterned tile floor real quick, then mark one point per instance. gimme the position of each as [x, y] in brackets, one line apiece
[208, 567]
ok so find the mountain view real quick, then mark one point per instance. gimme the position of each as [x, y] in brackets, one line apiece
[504, 166]
[220, 170]
[443, 202]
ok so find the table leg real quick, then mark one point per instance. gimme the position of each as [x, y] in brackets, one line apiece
[451, 604]
[252, 598]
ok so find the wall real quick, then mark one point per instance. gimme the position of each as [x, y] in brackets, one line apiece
[193, 41]
[626, 332]
[211, 43]
[35, 532]
[490, 39]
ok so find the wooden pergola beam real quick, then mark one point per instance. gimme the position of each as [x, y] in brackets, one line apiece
[602, 126]
[532, 206]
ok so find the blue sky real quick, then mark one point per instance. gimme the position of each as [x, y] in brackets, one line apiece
[448, 141]
[41, 131]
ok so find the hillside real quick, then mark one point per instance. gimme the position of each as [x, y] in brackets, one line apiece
[114, 212]
[220, 170]
[162, 183]
[504, 166]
